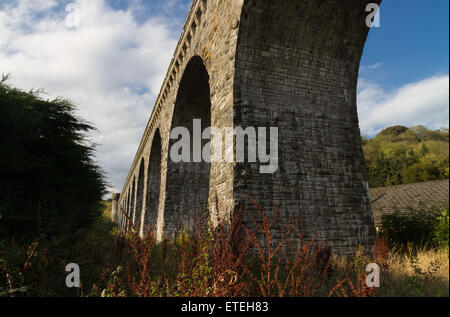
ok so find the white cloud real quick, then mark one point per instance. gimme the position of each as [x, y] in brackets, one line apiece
[112, 66]
[370, 67]
[425, 102]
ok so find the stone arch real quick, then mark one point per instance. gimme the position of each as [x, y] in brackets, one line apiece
[120, 215]
[124, 210]
[128, 210]
[126, 204]
[286, 64]
[153, 183]
[133, 201]
[139, 195]
[187, 185]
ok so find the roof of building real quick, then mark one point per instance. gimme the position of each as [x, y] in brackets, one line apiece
[404, 198]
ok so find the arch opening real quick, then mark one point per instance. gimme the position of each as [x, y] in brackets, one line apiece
[139, 196]
[188, 182]
[133, 202]
[153, 183]
[128, 211]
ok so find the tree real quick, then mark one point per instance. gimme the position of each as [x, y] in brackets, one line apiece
[399, 155]
[393, 131]
[49, 183]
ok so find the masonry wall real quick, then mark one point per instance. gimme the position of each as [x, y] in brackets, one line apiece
[296, 69]
[210, 34]
[291, 64]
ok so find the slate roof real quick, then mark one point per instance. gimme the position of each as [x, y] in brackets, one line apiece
[424, 196]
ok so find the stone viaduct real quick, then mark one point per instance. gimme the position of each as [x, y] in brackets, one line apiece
[291, 64]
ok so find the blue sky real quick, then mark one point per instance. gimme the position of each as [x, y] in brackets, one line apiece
[113, 63]
[405, 66]
[412, 42]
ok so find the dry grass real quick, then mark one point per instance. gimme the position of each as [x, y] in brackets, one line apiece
[416, 273]
[404, 273]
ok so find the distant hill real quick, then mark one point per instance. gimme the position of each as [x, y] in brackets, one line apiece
[400, 155]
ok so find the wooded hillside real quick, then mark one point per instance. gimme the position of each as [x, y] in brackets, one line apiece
[401, 155]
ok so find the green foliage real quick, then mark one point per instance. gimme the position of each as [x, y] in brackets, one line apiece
[399, 155]
[38, 268]
[49, 183]
[393, 131]
[195, 265]
[417, 227]
[441, 231]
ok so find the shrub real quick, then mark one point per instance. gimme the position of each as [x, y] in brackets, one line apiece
[416, 227]
[37, 268]
[49, 181]
[441, 231]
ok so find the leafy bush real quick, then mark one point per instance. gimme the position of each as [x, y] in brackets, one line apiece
[416, 227]
[441, 231]
[49, 181]
[38, 268]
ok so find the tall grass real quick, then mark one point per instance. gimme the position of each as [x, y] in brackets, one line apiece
[234, 259]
